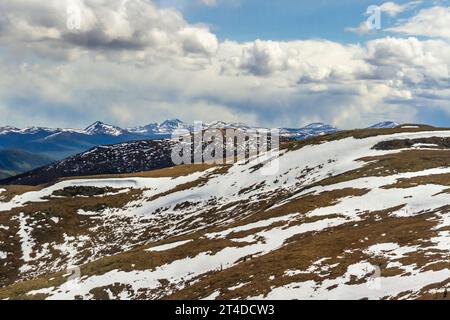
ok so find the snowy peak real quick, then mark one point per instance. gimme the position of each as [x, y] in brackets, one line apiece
[8, 129]
[165, 128]
[316, 125]
[150, 128]
[311, 130]
[103, 129]
[169, 126]
[217, 125]
[226, 125]
[28, 130]
[385, 125]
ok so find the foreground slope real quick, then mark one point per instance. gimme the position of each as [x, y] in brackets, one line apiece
[354, 215]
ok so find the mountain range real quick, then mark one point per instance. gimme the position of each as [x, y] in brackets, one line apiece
[37, 146]
[45, 139]
[59, 143]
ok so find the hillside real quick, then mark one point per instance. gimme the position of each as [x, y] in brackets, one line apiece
[355, 215]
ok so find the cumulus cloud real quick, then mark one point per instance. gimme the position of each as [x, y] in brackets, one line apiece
[362, 29]
[393, 9]
[430, 22]
[105, 26]
[264, 58]
[310, 60]
[132, 62]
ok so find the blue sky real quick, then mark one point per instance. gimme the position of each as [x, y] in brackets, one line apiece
[246, 20]
[272, 63]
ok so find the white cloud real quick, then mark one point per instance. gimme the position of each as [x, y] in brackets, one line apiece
[430, 22]
[393, 9]
[107, 26]
[362, 29]
[133, 62]
[198, 40]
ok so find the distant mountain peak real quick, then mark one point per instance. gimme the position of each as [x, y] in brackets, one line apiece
[316, 125]
[96, 124]
[99, 127]
[172, 122]
[385, 125]
[227, 125]
[8, 129]
[217, 123]
[171, 125]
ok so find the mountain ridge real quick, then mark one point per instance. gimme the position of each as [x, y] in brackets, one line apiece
[137, 156]
[58, 144]
[163, 128]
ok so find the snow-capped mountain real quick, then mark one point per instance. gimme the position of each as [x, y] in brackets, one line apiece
[58, 143]
[353, 215]
[29, 130]
[100, 128]
[385, 125]
[152, 127]
[312, 130]
[164, 129]
[231, 125]
[169, 126]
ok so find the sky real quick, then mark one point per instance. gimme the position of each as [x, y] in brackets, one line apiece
[284, 63]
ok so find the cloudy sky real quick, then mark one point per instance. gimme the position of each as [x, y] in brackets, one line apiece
[67, 63]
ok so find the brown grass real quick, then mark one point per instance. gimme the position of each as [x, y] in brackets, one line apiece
[438, 179]
[173, 172]
[390, 164]
[357, 134]
[343, 245]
